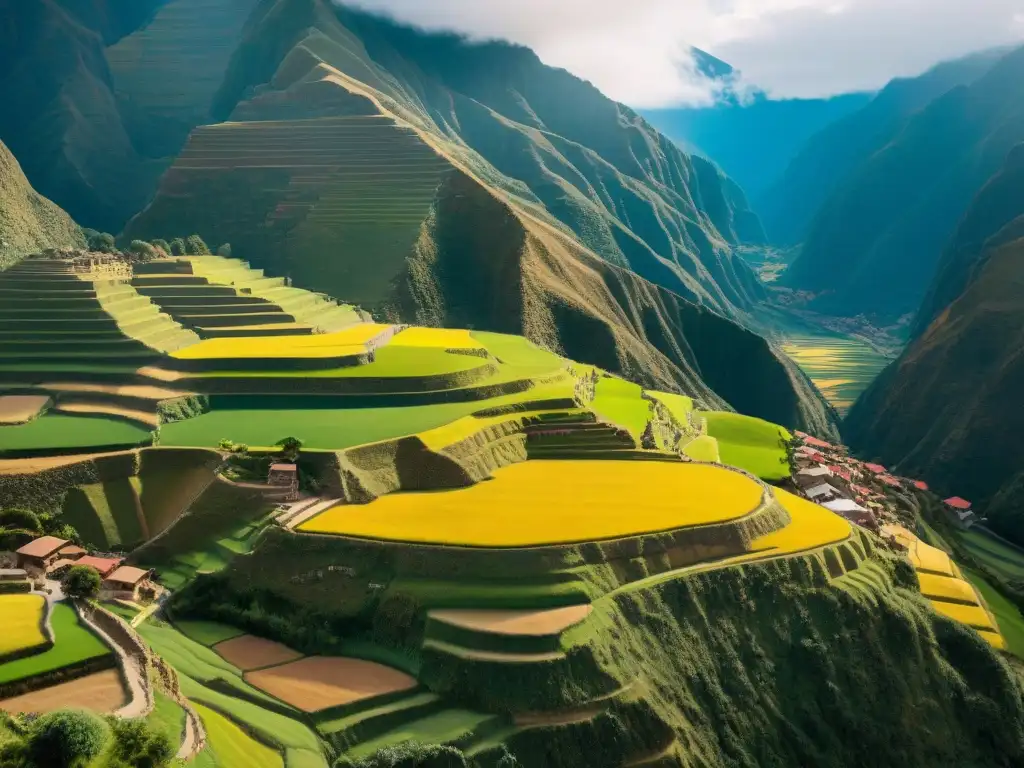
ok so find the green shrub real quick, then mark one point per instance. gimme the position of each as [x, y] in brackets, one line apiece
[102, 242]
[81, 582]
[224, 250]
[163, 245]
[17, 517]
[409, 754]
[178, 247]
[138, 745]
[194, 246]
[67, 739]
[143, 250]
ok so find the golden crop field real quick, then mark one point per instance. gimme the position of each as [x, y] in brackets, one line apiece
[442, 338]
[22, 615]
[971, 615]
[539, 503]
[349, 341]
[946, 588]
[812, 526]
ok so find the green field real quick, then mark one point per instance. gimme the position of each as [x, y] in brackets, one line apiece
[1002, 559]
[167, 717]
[74, 643]
[441, 728]
[703, 448]
[841, 368]
[619, 402]
[207, 632]
[59, 432]
[751, 444]
[1008, 616]
[520, 353]
[231, 745]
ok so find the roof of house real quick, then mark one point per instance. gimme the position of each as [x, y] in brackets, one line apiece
[72, 549]
[128, 574]
[44, 546]
[843, 473]
[957, 503]
[878, 469]
[844, 505]
[921, 485]
[63, 562]
[890, 481]
[282, 468]
[102, 564]
[821, 490]
[815, 472]
[817, 443]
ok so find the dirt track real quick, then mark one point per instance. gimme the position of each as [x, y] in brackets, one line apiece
[548, 622]
[101, 692]
[17, 409]
[319, 682]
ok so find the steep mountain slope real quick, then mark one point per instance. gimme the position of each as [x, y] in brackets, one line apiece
[949, 408]
[753, 140]
[61, 120]
[434, 180]
[875, 244]
[28, 221]
[830, 156]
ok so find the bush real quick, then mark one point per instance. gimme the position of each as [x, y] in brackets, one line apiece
[194, 246]
[163, 245]
[16, 517]
[178, 247]
[138, 745]
[81, 581]
[143, 250]
[409, 754]
[224, 250]
[102, 242]
[290, 447]
[67, 739]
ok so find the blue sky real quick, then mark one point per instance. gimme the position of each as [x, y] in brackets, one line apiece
[636, 51]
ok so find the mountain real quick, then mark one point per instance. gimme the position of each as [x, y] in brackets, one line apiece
[443, 182]
[829, 157]
[753, 139]
[28, 221]
[876, 242]
[949, 408]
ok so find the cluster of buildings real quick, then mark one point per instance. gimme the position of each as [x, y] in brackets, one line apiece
[857, 490]
[52, 556]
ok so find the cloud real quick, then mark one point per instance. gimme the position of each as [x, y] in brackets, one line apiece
[639, 51]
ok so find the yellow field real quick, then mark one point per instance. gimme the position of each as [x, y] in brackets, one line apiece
[22, 615]
[467, 426]
[539, 503]
[349, 341]
[946, 588]
[992, 638]
[971, 615]
[812, 526]
[442, 338]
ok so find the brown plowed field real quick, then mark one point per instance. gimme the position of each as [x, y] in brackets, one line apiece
[100, 692]
[42, 463]
[549, 622]
[319, 682]
[17, 409]
[250, 652]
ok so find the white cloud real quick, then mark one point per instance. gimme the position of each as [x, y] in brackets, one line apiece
[637, 51]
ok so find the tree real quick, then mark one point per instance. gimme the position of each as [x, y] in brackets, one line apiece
[16, 517]
[81, 582]
[177, 247]
[224, 250]
[68, 738]
[410, 754]
[138, 745]
[163, 245]
[194, 246]
[102, 242]
[143, 250]
[290, 447]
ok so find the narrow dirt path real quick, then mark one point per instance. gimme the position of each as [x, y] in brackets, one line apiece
[140, 702]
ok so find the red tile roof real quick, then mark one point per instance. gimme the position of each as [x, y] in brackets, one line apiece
[817, 443]
[44, 546]
[126, 574]
[957, 503]
[878, 469]
[103, 565]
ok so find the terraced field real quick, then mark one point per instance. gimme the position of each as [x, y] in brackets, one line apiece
[752, 444]
[73, 643]
[841, 368]
[23, 615]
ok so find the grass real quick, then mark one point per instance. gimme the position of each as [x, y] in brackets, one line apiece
[620, 402]
[549, 502]
[74, 643]
[680, 406]
[167, 717]
[22, 616]
[57, 431]
[703, 448]
[518, 352]
[1008, 616]
[441, 728]
[993, 554]
[350, 341]
[207, 632]
[232, 746]
[751, 444]
[841, 368]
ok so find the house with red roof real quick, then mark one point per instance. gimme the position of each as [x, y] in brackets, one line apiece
[960, 511]
[921, 485]
[815, 442]
[102, 565]
[878, 469]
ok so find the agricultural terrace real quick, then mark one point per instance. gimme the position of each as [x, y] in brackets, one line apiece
[755, 445]
[57, 432]
[233, 746]
[74, 643]
[18, 409]
[620, 402]
[248, 652]
[439, 338]
[348, 342]
[1007, 615]
[321, 682]
[101, 692]
[22, 622]
[840, 368]
[538, 503]
[811, 527]
[514, 623]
